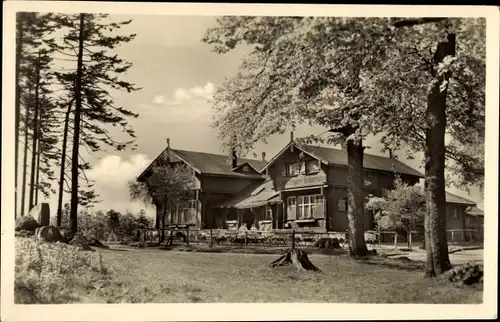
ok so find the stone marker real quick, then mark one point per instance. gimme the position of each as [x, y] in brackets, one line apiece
[42, 213]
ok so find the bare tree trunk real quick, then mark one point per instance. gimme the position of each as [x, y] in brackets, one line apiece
[63, 166]
[19, 48]
[73, 218]
[355, 213]
[35, 135]
[37, 175]
[435, 220]
[25, 157]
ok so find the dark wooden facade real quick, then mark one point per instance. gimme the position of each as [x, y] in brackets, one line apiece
[302, 186]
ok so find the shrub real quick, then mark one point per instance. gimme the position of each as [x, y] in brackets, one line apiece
[467, 274]
[55, 272]
[109, 226]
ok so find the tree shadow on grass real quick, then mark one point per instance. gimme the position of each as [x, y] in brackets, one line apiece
[115, 249]
[400, 263]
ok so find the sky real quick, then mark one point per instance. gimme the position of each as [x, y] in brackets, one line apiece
[178, 75]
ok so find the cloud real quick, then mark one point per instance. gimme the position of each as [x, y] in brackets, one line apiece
[206, 91]
[182, 105]
[181, 94]
[196, 94]
[111, 176]
[158, 99]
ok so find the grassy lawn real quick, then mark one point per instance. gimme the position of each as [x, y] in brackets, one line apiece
[163, 276]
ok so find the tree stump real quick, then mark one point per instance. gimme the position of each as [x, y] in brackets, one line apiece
[296, 257]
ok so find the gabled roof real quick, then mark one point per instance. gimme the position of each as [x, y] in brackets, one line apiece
[451, 198]
[241, 165]
[332, 156]
[255, 195]
[210, 163]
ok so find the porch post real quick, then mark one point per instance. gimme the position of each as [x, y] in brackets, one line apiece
[325, 208]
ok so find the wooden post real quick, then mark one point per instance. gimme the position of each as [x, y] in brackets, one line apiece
[187, 234]
[246, 238]
[452, 237]
[211, 239]
[293, 238]
[409, 240]
[395, 239]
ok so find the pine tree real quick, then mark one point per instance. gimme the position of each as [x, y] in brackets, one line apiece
[86, 43]
[32, 32]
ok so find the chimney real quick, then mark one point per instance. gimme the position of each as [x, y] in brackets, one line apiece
[234, 158]
[167, 157]
[291, 136]
[390, 153]
[263, 156]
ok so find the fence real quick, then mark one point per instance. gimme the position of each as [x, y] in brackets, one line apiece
[464, 235]
[273, 238]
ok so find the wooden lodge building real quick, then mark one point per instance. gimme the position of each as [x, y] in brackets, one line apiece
[302, 186]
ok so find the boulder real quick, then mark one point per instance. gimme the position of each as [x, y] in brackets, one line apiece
[95, 242]
[42, 213]
[49, 234]
[66, 234]
[81, 242]
[26, 223]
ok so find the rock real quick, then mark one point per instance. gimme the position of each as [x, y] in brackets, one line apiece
[49, 234]
[81, 242]
[95, 242]
[42, 213]
[66, 234]
[26, 223]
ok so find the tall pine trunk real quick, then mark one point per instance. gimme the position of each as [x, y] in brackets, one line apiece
[63, 166]
[435, 219]
[355, 213]
[35, 135]
[73, 218]
[37, 175]
[19, 47]
[25, 157]
[38, 156]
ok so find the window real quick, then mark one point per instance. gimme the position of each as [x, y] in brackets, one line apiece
[291, 210]
[245, 168]
[342, 205]
[454, 213]
[269, 213]
[302, 207]
[292, 169]
[184, 211]
[312, 166]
